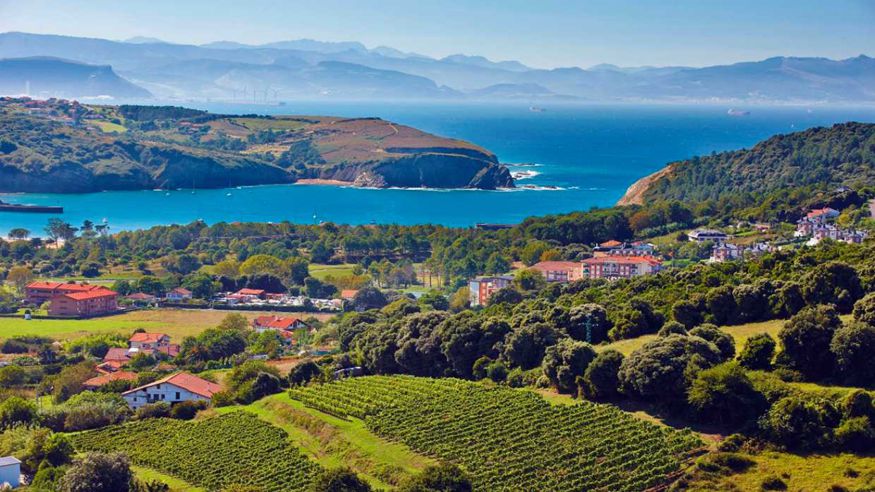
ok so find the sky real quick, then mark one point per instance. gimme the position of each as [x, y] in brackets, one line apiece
[539, 33]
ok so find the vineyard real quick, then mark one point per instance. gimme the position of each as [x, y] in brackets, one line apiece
[234, 449]
[510, 439]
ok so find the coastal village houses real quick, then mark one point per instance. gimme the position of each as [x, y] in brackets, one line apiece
[818, 225]
[560, 271]
[172, 389]
[72, 299]
[283, 325]
[178, 294]
[620, 266]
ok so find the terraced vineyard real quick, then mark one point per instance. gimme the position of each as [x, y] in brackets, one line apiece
[510, 439]
[237, 448]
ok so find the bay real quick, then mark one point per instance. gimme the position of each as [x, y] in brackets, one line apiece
[578, 156]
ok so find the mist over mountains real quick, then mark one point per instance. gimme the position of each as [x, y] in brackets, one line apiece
[49, 65]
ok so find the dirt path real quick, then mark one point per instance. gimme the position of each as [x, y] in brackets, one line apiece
[872, 208]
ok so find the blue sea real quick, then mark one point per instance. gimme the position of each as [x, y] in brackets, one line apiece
[577, 156]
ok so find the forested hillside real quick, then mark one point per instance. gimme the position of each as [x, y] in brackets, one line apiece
[824, 158]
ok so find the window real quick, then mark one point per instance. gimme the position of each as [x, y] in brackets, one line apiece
[177, 395]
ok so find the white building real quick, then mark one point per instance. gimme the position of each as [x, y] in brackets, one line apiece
[702, 235]
[176, 388]
[10, 472]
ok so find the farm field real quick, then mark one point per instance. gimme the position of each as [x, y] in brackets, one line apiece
[336, 271]
[213, 453]
[333, 442]
[175, 484]
[798, 472]
[510, 438]
[178, 323]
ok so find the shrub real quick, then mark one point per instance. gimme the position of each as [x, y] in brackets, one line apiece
[799, 423]
[17, 411]
[98, 473]
[660, 368]
[672, 328]
[153, 411]
[855, 434]
[439, 478]
[187, 410]
[589, 319]
[806, 340]
[758, 352]
[304, 373]
[601, 380]
[566, 361]
[773, 483]
[853, 346]
[725, 394]
[864, 310]
[834, 283]
[339, 480]
[722, 340]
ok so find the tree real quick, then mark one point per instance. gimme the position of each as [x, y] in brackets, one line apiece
[234, 321]
[864, 310]
[565, 362]
[201, 285]
[687, 313]
[758, 352]
[805, 340]
[800, 423]
[304, 373]
[299, 269]
[834, 283]
[58, 229]
[525, 346]
[672, 328]
[853, 346]
[721, 304]
[722, 340]
[444, 477]
[660, 369]
[507, 295]
[588, 323]
[19, 276]
[263, 264]
[339, 480]
[435, 300]
[601, 381]
[19, 233]
[369, 298]
[530, 280]
[98, 473]
[726, 395]
[15, 411]
[496, 264]
[461, 300]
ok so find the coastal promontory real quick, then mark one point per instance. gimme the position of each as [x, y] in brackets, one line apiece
[59, 146]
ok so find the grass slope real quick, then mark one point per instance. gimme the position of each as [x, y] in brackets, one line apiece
[333, 442]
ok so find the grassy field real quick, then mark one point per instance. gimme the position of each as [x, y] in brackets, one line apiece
[336, 271]
[109, 127]
[175, 484]
[178, 323]
[800, 473]
[334, 442]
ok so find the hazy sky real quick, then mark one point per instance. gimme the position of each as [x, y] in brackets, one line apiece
[541, 33]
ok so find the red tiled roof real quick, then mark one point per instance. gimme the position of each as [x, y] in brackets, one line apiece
[348, 293]
[142, 337]
[186, 381]
[250, 292]
[556, 265]
[820, 211]
[98, 381]
[276, 322]
[65, 287]
[140, 296]
[613, 243]
[95, 294]
[182, 290]
[116, 354]
[622, 259]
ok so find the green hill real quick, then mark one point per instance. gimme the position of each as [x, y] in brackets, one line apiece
[825, 158]
[59, 146]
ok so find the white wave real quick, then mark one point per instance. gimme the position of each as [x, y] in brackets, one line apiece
[521, 175]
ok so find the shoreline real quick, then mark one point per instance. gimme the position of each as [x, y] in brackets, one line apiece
[326, 182]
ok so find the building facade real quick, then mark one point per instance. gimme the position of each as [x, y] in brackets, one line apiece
[619, 266]
[480, 289]
[560, 271]
[84, 304]
[173, 389]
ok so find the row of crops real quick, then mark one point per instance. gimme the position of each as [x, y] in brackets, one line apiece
[237, 448]
[510, 439]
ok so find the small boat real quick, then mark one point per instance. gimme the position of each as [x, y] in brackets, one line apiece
[737, 112]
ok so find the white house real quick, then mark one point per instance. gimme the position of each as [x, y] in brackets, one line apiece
[179, 294]
[10, 472]
[176, 388]
[702, 235]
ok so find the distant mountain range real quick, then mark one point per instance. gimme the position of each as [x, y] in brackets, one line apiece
[302, 69]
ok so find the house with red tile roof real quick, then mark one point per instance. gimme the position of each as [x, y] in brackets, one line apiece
[560, 271]
[37, 293]
[175, 388]
[252, 293]
[179, 294]
[348, 294]
[149, 343]
[102, 380]
[621, 266]
[84, 304]
[263, 323]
